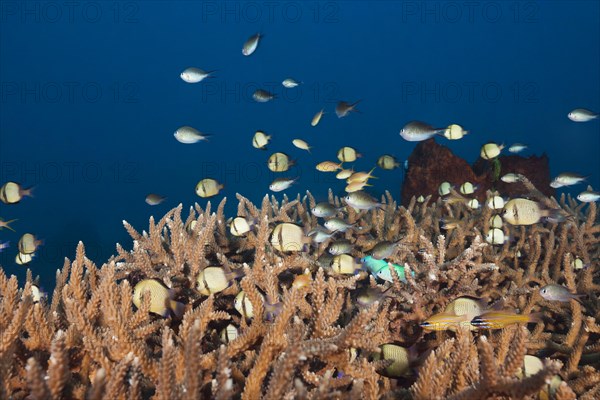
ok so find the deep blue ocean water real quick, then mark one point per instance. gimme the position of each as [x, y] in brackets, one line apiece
[90, 96]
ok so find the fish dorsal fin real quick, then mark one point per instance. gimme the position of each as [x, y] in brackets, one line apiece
[498, 305]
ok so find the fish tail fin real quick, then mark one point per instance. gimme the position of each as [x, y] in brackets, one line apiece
[578, 297]
[28, 192]
[535, 317]
[272, 309]
[371, 171]
[177, 308]
[7, 226]
[555, 215]
[233, 274]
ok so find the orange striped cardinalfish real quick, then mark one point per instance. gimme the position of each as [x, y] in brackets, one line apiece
[501, 319]
[444, 321]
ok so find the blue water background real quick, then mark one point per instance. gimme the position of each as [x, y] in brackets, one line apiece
[90, 97]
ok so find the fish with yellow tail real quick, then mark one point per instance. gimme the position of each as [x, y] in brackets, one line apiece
[501, 319]
[458, 313]
[6, 224]
[444, 321]
[328, 166]
[361, 176]
[317, 118]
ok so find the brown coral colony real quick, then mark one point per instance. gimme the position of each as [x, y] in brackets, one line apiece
[266, 315]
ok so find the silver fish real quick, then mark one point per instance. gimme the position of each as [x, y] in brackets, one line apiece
[319, 234]
[417, 131]
[337, 225]
[343, 108]
[154, 199]
[511, 178]
[567, 179]
[324, 210]
[189, 135]
[262, 96]
[582, 115]
[341, 246]
[290, 83]
[195, 75]
[588, 195]
[251, 44]
[280, 184]
[362, 201]
[554, 292]
[517, 148]
[383, 250]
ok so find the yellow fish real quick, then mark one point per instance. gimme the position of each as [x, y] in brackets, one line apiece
[361, 176]
[348, 154]
[501, 319]
[208, 188]
[289, 237]
[328, 166]
[29, 243]
[444, 321]
[528, 212]
[356, 187]
[402, 358]
[387, 162]
[215, 279]
[279, 162]
[12, 192]
[161, 298]
[260, 140]
[317, 118]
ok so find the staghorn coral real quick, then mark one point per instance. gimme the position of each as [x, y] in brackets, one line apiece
[91, 342]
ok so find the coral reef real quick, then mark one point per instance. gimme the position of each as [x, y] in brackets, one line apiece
[90, 341]
[431, 163]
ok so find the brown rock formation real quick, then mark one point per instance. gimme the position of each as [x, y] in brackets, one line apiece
[430, 164]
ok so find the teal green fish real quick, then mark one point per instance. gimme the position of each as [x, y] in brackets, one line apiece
[382, 269]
